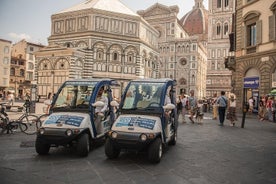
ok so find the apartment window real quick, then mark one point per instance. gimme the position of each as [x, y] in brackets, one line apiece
[31, 57]
[31, 49]
[22, 73]
[251, 30]
[30, 66]
[5, 61]
[5, 71]
[6, 49]
[272, 23]
[252, 35]
[12, 72]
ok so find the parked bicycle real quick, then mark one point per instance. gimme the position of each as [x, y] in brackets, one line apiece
[27, 123]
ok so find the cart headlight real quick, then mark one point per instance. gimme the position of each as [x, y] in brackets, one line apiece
[143, 137]
[114, 135]
[69, 132]
[41, 131]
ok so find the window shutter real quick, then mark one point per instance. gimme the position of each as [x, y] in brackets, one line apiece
[243, 37]
[259, 32]
[272, 28]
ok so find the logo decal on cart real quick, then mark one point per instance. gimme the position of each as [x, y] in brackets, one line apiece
[64, 119]
[136, 122]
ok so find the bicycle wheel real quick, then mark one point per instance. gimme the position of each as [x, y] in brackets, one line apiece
[3, 123]
[41, 119]
[31, 122]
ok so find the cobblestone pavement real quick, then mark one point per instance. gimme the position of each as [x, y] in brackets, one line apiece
[204, 154]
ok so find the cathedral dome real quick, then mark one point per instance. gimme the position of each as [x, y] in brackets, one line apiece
[195, 22]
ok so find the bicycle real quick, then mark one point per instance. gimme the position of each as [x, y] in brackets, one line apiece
[27, 123]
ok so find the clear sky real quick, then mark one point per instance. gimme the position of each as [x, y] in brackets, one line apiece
[31, 19]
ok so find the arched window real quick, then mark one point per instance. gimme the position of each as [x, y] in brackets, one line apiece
[100, 54]
[115, 56]
[226, 3]
[218, 3]
[218, 29]
[12, 72]
[225, 29]
[22, 73]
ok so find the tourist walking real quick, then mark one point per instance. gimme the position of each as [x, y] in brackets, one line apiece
[231, 113]
[184, 107]
[192, 105]
[222, 105]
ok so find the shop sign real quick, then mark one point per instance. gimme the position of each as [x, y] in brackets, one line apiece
[251, 82]
[273, 84]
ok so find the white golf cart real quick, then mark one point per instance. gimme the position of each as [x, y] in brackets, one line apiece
[72, 121]
[146, 119]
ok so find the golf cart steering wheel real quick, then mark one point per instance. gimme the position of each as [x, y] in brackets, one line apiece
[154, 104]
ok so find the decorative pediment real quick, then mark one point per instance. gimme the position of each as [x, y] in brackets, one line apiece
[158, 9]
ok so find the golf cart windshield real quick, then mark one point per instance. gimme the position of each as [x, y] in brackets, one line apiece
[74, 95]
[143, 95]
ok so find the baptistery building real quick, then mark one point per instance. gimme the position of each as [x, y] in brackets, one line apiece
[99, 39]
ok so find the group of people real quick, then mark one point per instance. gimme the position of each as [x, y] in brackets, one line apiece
[266, 107]
[223, 108]
[187, 104]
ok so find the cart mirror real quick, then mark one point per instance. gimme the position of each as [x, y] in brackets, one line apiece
[169, 107]
[98, 104]
[114, 103]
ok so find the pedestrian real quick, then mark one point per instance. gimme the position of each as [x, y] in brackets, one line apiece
[215, 106]
[222, 105]
[184, 101]
[179, 105]
[262, 108]
[231, 113]
[192, 105]
[251, 105]
[269, 107]
[10, 99]
[100, 110]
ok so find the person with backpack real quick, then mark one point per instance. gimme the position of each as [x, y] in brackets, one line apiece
[222, 105]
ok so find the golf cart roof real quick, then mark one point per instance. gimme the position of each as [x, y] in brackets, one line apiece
[105, 80]
[155, 80]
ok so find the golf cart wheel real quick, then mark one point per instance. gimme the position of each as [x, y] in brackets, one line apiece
[41, 148]
[83, 145]
[110, 150]
[155, 151]
[173, 139]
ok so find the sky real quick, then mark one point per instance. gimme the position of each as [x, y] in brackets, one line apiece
[31, 19]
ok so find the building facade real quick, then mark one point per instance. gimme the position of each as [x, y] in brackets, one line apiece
[22, 70]
[219, 78]
[255, 61]
[182, 57]
[5, 58]
[99, 39]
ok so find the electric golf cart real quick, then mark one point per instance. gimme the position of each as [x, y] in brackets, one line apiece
[146, 119]
[72, 121]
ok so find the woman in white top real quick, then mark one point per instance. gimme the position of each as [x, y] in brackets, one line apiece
[231, 114]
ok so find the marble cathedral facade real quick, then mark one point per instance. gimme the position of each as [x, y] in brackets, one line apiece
[182, 57]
